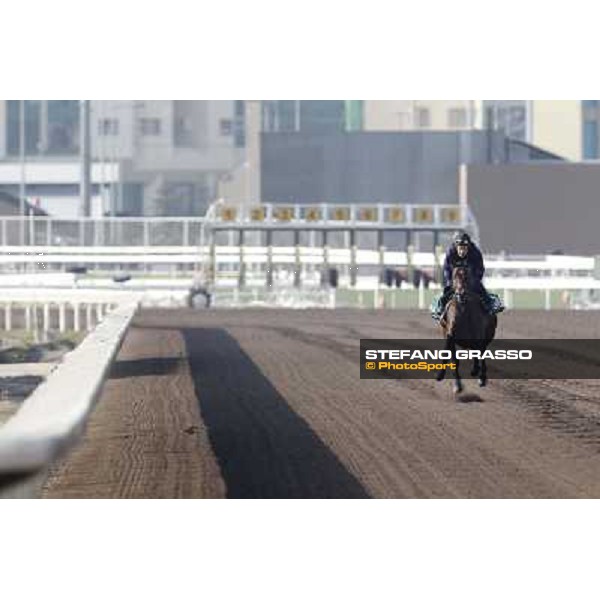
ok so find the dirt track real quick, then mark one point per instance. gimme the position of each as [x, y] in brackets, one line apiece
[268, 403]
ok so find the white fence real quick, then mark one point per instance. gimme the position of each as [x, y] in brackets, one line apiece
[52, 418]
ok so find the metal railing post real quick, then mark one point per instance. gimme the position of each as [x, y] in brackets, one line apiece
[353, 262]
[8, 316]
[186, 232]
[297, 260]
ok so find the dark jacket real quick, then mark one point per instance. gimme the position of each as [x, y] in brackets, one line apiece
[473, 260]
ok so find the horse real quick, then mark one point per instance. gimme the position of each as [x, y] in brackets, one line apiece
[466, 324]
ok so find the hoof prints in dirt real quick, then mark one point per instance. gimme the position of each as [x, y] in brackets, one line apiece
[553, 409]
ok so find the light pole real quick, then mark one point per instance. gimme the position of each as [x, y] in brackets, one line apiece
[22, 179]
[84, 188]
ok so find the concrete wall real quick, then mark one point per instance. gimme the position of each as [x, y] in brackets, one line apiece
[537, 208]
[419, 167]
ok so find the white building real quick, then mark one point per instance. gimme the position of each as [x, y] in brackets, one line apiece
[151, 157]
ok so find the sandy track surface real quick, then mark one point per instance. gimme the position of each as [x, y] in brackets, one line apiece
[144, 439]
[268, 403]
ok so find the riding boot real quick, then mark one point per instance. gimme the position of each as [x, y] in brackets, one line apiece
[485, 302]
[443, 300]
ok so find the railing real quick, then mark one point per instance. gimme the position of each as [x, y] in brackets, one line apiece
[53, 417]
[190, 231]
[420, 298]
[110, 231]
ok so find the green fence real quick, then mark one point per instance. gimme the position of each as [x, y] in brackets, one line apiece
[414, 299]
[379, 298]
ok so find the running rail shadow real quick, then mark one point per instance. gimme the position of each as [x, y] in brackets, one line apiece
[264, 449]
[54, 416]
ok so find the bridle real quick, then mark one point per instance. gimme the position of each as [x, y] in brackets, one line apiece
[462, 293]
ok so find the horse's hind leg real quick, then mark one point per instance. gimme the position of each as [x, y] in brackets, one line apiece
[442, 372]
[483, 374]
[457, 380]
[476, 367]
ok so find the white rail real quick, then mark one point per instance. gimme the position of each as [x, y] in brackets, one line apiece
[53, 417]
[170, 255]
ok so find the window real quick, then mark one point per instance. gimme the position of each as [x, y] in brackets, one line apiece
[286, 112]
[277, 115]
[354, 113]
[457, 117]
[31, 124]
[422, 117]
[321, 116]
[186, 125]
[183, 132]
[150, 126]
[268, 115]
[63, 127]
[516, 127]
[240, 109]
[239, 128]
[225, 126]
[108, 127]
[590, 110]
[590, 139]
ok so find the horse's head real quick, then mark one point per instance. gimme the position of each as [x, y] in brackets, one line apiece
[460, 280]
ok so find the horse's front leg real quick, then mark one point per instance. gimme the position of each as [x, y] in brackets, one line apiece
[457, 379]
[483, 374]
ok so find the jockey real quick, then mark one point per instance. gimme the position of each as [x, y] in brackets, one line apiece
[463, 252]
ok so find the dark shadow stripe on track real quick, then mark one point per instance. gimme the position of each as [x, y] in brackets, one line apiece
[264, 449]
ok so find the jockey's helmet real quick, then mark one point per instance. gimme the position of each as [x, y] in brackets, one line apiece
[461, 239]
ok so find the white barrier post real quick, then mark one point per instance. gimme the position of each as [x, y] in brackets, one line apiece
[36, 325]
[46, 317]
[76, 324]
[8, 316]
[62, 321]
[547, 305]
[88, 317]
[421, 294]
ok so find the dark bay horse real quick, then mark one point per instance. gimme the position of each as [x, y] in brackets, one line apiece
[467, 325]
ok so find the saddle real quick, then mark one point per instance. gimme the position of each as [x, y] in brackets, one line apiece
[492, 304]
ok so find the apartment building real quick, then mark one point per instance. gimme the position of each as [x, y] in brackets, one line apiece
[150, 157]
